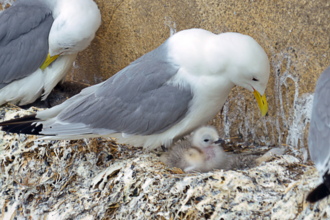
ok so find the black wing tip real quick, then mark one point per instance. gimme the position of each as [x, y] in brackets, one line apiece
[26, 128]
[20, 120]
[24, 125]
[318, 193]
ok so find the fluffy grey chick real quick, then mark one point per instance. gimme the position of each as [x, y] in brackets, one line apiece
[206, 139]
[184, 156]
[202, 153]
[199, 153]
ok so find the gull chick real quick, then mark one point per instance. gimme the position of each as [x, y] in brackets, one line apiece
[200, 153]
[184, 156]
[207, 140]
[210, 156]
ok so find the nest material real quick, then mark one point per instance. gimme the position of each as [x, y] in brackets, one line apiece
[100, 179]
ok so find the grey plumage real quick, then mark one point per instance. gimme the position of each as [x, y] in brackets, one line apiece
[318, 137]
[210, 155]
[19, 26]
[184, 156]
[136, 100]
[160, 97]
[319, 126]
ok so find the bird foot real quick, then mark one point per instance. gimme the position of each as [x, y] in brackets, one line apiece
[164, 148]
[47, 103]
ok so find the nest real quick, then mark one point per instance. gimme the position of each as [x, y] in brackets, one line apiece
[100, 179]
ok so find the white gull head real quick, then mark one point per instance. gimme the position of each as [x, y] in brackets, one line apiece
[213, 64]
[235, 56]
[74, 27]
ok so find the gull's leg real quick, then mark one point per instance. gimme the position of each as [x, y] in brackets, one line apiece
[164, 148]
[47, 103]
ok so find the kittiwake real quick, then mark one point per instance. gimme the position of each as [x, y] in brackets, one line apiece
[160, 97]
[319, 136]
[39, 41]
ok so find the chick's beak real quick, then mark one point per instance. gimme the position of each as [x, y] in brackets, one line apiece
[262, 102]
[220, 141]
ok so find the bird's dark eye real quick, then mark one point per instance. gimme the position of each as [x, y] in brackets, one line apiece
[206, 140]
[254, 79]
[68, 49]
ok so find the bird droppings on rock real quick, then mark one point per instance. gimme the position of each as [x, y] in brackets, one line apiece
[99, 179]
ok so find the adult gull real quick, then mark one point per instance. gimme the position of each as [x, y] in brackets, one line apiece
[39, 41]
[162, 96]
[318, 137]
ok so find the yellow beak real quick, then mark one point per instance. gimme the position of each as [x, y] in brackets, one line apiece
[48, 61]
[262, 102]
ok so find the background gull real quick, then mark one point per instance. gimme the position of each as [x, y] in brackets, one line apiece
[161, 96]
[319, 135]
[35, 34]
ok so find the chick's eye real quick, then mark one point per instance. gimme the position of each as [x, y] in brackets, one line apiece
[254, 79]
[66, 48]
[206, 140]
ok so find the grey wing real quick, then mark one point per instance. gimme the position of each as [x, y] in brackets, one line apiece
[137, 100]
[24, 30]
[319, 126]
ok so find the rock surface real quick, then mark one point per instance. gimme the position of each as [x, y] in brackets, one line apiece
[295, 35]
[99, 179]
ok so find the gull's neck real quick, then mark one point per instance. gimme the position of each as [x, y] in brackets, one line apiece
[54, 5]
[51, 4]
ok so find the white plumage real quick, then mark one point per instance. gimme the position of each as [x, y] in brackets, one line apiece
[165, 94]
[74, 27]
